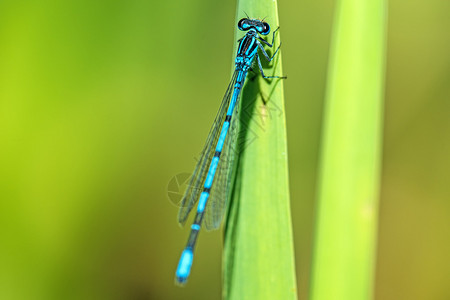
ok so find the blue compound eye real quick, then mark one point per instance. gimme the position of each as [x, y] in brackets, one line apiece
[265, 30]
[243, 24]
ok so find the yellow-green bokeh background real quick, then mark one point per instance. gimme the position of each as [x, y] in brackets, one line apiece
[103, 102]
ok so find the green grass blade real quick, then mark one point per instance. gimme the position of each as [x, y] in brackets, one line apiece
[345, 241]
[258, 254]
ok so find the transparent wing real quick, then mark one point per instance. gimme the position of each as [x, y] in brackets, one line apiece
[220, 190]
[195, 185]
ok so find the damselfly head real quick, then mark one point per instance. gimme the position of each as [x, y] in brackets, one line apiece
[260, 26]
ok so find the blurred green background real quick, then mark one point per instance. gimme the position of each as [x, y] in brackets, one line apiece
[102, 103]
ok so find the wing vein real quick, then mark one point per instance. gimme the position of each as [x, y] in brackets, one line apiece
[195, 185]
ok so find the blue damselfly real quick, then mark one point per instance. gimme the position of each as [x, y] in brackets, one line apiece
[210, 182]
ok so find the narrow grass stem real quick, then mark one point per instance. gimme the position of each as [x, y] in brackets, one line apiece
[258, 254]
[346, 228]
